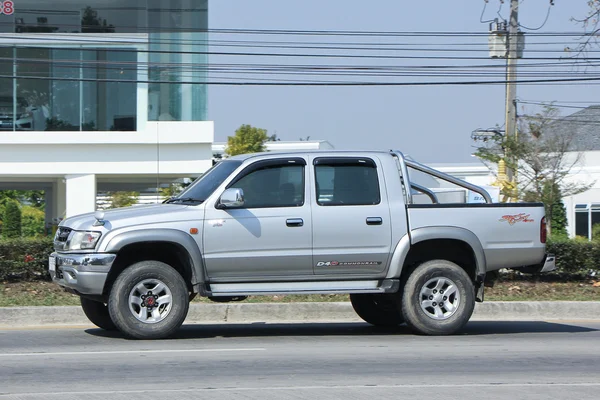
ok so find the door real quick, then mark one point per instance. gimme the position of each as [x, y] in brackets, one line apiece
[269, 237]
[351, 217]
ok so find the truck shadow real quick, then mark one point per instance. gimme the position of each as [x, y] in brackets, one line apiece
[261, 329]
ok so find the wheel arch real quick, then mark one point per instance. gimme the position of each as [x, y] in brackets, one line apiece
[170, 246]
[455, 244]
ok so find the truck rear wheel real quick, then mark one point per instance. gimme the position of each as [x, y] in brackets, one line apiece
[97, 313]
[149, 300]
[438, 298]
[377, 309]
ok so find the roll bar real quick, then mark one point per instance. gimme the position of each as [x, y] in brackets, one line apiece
[404, 164]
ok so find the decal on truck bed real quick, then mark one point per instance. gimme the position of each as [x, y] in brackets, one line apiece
[513, 219]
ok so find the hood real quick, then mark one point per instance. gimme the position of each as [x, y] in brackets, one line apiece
[136, 215]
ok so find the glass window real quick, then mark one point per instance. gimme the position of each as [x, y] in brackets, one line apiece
[70, 16]
[273, 186]
[116, 90]
[347, 184]
[64, 98]
[583, 224]
[33, 87]
[204, 186]
[6, 89]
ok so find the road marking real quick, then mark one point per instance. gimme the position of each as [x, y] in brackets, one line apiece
[335, 387]
[94, 353]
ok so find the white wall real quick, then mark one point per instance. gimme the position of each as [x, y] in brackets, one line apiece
[181, 148]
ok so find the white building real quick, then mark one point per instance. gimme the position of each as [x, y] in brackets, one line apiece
[219, 148]
[101, 97]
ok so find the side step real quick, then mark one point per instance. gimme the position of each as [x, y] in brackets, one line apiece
[320, 287]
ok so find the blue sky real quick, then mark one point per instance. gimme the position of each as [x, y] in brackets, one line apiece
[433, 124]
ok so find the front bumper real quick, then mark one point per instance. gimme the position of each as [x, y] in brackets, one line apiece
[84, 273]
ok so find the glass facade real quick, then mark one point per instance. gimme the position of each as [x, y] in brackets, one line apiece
[104, 56]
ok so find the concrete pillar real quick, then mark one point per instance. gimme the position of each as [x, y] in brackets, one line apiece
[81, 194]
[60, 199]
[49, 209]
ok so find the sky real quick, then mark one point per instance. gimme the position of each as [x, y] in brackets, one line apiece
[432, 124]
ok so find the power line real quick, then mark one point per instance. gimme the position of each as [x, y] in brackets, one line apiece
[543, 23]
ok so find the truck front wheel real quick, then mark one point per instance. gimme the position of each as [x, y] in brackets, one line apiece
[149, 300]
[438, 298]
[377, 309]
[97, 313]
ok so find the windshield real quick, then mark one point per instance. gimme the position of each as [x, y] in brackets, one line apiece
[207, 183]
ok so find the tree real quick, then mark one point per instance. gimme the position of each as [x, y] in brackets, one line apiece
[591, 28]
[11, 226]
[123, 199]
[542, 157]
[247, 139]
[274, 138]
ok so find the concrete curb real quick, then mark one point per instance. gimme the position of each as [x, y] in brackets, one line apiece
[12, 317]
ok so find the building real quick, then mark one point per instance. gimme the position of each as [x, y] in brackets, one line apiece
[100, 96]
[218, 149]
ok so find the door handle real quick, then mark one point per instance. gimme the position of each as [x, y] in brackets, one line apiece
[291, 222]
[374, 221]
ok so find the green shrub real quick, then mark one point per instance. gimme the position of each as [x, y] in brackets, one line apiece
[575, 257]
[11, 223]
[25, 259]
[33, 221]
[596, 233]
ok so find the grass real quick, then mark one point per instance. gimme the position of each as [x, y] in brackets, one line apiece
[49, 294]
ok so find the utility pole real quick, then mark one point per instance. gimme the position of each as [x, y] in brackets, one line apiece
[511, 86]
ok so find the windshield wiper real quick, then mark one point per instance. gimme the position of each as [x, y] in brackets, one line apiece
[183, 200]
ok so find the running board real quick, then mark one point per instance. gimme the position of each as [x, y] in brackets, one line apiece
[322, 287]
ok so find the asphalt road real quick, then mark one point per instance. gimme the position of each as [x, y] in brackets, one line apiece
[490, 360]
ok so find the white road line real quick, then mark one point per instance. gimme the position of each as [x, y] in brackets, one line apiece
[293, 388]
[100, 353]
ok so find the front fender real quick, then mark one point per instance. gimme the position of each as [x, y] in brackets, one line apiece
[432, 233]
[180, 238]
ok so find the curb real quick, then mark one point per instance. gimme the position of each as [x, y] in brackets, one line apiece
[12, 317]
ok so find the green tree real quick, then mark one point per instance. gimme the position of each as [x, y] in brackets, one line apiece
[11, 226]
[123, 199]
[559, 219]
[247, 139]
[542, 157]
[33, 221]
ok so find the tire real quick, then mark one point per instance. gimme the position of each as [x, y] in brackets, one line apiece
[149, 300]
[97, 313]
[418, 298]
[377, 309]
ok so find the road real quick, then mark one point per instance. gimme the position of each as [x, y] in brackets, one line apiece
[489, 360]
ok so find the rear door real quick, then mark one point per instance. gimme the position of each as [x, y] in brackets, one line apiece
[351, 217]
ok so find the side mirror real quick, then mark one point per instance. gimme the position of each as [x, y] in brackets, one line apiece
[232, 198]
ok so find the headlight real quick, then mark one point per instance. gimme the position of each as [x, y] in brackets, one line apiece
[83, 240]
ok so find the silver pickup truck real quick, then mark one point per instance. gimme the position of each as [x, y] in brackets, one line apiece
[396, 235]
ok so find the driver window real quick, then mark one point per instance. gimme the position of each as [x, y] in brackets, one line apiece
[273, 186]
